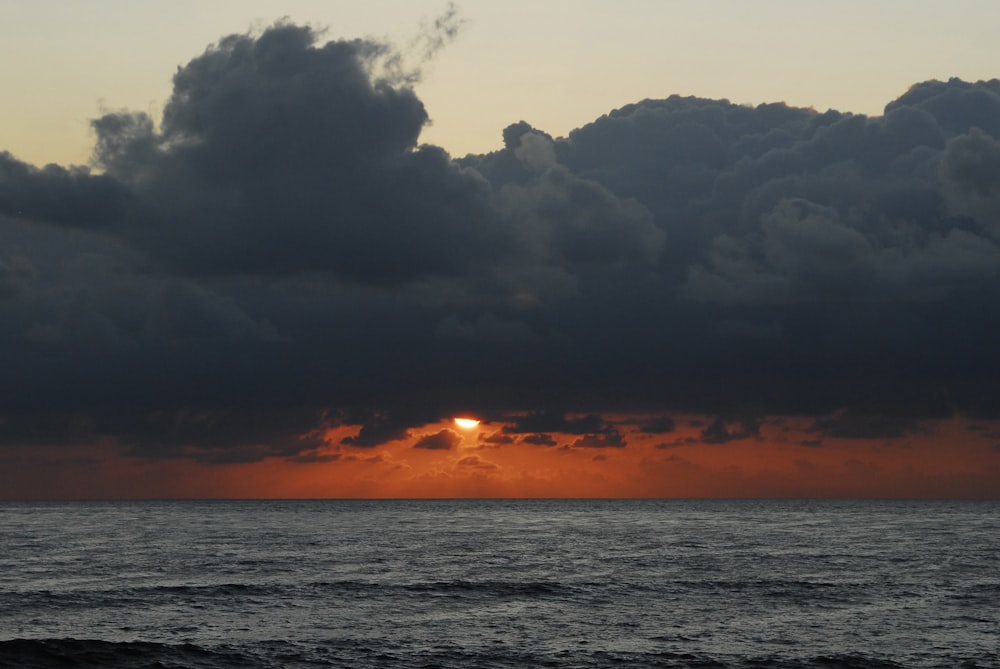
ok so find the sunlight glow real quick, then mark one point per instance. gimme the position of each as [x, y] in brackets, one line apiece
[466, 423]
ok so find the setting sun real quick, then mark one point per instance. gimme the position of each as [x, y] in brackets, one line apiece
[466, 423]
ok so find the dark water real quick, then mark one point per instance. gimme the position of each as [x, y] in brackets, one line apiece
[709, 584]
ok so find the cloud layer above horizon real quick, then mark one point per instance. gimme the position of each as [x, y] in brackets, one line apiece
[279, 255]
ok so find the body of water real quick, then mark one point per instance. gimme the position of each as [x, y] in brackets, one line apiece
[499, 583]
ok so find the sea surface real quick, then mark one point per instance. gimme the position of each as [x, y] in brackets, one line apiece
[498, 583]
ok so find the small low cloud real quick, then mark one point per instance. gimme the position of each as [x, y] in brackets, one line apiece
[445, 440]
[720, 431]
[538, 439]
[864, 425]
[608, 440]
[496, 439]
[475, 462]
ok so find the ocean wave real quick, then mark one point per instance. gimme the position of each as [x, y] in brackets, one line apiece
[127, 595]
[343, 654]
[118, 597]
[94, 654]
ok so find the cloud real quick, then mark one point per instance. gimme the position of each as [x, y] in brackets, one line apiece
[333, 179]
[573, 222]
[609, 440]
[539, 439]
[58, 195]
[379, 426]
[496, 439]
[475, 462]
[486, 329]
[207, 435]
[677, 443]
[720, 431]
[434, 36]
[658, 425]
[280, 251]
[536, 151]
[376, 434]
[445, 440]
[309, 457]
[548, 421]
[970, 169]
[955, 105]
[858, 424]
[15, 272]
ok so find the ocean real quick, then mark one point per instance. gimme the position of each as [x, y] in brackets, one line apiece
[500, 583]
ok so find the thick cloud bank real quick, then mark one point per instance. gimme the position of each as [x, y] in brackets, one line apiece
[278, 254]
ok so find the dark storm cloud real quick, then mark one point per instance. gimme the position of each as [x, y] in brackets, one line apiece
[15, 272]
[864, 425]
[379, 426]
[955, 105]
[332, 178]
[59, 196]
[47, 429]
[970, 170]
[222, 436]
[658, 425]
[278, 254]
[549, 421]
[376, 431]
[215, 436]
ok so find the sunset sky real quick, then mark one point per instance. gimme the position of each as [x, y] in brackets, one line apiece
[657, 249]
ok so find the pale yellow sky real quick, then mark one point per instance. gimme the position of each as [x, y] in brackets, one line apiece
[554, 63]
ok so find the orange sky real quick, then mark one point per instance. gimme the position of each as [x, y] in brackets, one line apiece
[954, 458]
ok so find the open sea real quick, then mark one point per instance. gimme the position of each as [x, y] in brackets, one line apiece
[500, 583]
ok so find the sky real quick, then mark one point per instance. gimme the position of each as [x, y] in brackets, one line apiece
[558, 64]
[656, 249]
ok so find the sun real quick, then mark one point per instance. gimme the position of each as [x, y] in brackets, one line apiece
[466, 423]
